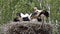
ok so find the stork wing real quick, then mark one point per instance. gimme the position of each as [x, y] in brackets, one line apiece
[22, 15]
[26, 14]
[30, 14]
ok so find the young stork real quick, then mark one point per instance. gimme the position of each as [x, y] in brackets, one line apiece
[23, 17]
[39, 14]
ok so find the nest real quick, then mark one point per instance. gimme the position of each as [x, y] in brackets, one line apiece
[28, 28]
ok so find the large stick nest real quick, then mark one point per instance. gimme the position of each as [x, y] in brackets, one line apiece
[28, 28]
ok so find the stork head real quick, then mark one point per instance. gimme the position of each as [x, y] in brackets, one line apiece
[35, 8]
[37, 12]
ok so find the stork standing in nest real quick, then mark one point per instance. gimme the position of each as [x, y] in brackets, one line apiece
[41, 15]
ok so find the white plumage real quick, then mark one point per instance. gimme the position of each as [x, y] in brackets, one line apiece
[24, 15]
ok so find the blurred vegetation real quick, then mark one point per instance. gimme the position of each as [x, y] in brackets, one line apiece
[9, 8]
